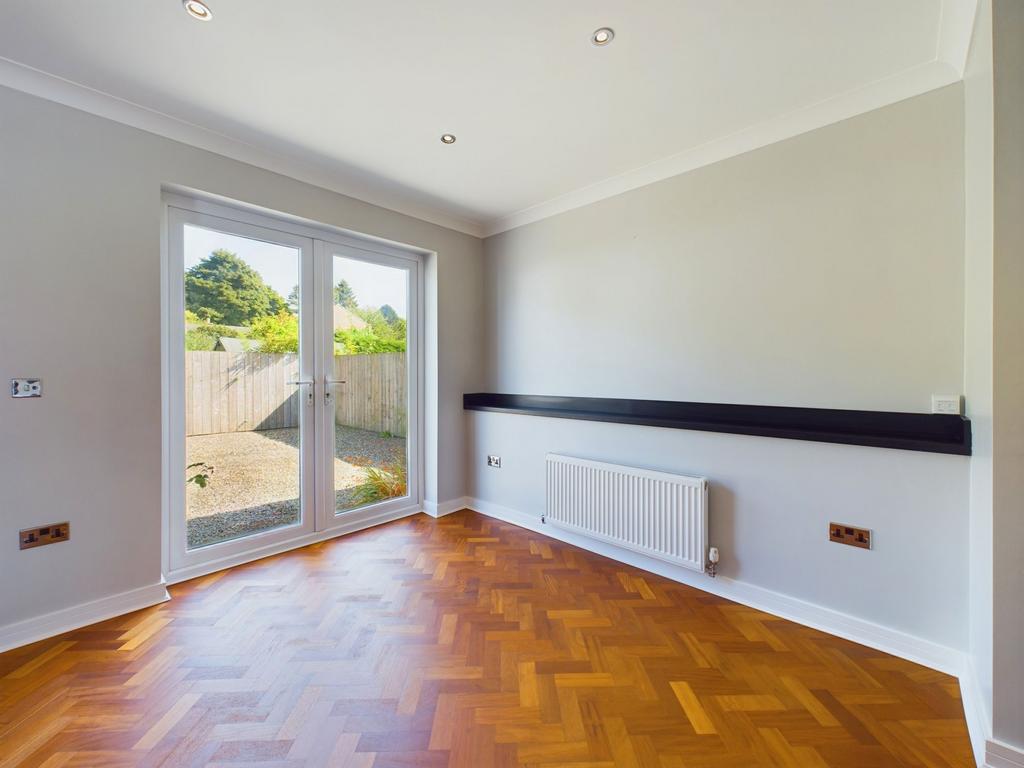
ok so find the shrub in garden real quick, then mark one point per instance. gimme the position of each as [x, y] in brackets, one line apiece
[381, 484]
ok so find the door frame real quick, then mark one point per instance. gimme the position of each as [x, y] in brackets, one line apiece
[316, 524]
[327, 516]
[180, 557]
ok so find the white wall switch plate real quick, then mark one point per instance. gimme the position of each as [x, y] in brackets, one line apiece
[949, 404]
[26, 388]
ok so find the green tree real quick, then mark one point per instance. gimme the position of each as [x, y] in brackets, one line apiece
[389, 314]
[344, 295]
[198, 340]
[224, 288]
[207, 315]
[202, 336]
[363, 341]
[278, 333]
[381, 327]
[293, 300]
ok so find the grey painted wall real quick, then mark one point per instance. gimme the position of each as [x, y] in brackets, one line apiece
[826, 270]
[80, 213]
[1008, 374]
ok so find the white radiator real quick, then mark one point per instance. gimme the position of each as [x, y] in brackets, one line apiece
[654, 513]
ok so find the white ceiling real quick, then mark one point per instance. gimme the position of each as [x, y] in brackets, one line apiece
[355, 95]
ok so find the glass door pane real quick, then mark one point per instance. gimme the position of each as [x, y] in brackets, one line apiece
[368, 381]
[244, 403]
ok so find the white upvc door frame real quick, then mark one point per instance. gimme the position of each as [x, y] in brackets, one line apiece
[317, 245]
[327, 515]
[179, 557]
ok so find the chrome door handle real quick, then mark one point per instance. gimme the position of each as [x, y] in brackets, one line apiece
[305, 383]
[328, 383]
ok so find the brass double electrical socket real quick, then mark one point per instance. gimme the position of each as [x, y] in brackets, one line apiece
[847, 534]
[43, 535]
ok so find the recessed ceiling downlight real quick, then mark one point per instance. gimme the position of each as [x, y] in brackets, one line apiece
[447, 138]
[602, 36]
[197, 9]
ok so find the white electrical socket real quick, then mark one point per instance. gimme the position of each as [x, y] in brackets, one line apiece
[949, 404]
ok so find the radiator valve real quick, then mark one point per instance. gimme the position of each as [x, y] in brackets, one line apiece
[712, 566]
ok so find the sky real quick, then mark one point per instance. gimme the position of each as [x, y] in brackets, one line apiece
[374, 285]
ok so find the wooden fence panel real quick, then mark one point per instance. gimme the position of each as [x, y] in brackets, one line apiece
[374, 393]
[227, 392]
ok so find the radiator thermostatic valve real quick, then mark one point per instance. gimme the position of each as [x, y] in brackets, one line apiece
[712, 561]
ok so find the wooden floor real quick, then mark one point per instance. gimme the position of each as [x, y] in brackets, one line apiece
[464, 642]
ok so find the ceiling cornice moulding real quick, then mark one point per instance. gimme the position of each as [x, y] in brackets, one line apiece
[954, 36]
[52, 88]
[882, 93]
[956, 26]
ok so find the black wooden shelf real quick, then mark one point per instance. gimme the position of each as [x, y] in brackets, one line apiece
[933, 433]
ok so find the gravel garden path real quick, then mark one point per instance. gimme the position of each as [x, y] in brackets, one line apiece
[255, 481]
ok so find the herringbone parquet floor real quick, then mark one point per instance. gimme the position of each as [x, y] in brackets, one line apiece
[464, 642]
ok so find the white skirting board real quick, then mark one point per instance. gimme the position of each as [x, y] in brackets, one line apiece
[867, 633]
[976, 712]
[1001, 755]
[64, 620]
[442, 508]
[905, 646]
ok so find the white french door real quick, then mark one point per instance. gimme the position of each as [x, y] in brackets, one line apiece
[292, 359]
[368, 365]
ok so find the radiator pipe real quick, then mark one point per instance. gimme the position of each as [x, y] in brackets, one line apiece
[712, 566]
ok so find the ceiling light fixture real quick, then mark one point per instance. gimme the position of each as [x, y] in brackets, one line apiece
[197, 9]
[447, 138]
[602, 36]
